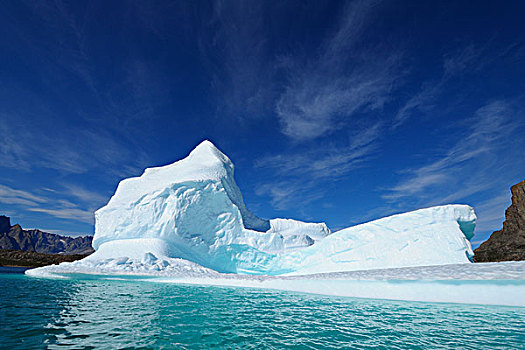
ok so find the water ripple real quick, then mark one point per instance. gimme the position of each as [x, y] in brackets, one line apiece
[98, 313]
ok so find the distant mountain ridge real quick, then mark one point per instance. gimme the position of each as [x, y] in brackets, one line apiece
[14, 237]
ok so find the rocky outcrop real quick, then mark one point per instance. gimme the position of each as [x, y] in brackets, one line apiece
[507, 244]
[22, 258]
[16, 238]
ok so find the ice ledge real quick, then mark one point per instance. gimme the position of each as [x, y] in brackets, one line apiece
[482, 283]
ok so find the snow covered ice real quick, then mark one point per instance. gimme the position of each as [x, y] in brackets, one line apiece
[188, 221]
[196, 212]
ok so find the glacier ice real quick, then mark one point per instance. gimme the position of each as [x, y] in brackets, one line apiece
[431, 236]
[188, 221]
[193, 210]
[197, 211]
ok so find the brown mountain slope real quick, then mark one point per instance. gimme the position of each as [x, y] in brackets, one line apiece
[508, 243]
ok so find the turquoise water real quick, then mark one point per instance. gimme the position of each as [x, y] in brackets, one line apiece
[100, 313]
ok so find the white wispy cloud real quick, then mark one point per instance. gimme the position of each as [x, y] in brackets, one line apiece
[72, 150]
[470, 58]
[234, 45]
[473, 153]
[326, 160]
[54, 203]
[325, 93]
[467, 60]
[301, 174]
[285, 193]
[91, 198]
[311, 95]
[103, 131]
[332, 90]
[75, 214]
[9, 195]
[479, 165]
[12, 151]
[69, 29]
[422, 101]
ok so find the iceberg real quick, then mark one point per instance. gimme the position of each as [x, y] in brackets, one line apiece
[195, 211]
[188, 221]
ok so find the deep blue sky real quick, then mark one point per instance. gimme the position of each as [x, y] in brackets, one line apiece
[331, 111]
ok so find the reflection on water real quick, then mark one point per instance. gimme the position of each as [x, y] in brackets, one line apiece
[101, 313]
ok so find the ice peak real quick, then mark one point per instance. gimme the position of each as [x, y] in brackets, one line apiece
[206, 144]
[207, 151]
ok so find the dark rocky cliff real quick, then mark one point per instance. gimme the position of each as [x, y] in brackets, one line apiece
[508, 243]
[14, 237]
[23, 258]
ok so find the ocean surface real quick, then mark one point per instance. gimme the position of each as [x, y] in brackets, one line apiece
[107, 313]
